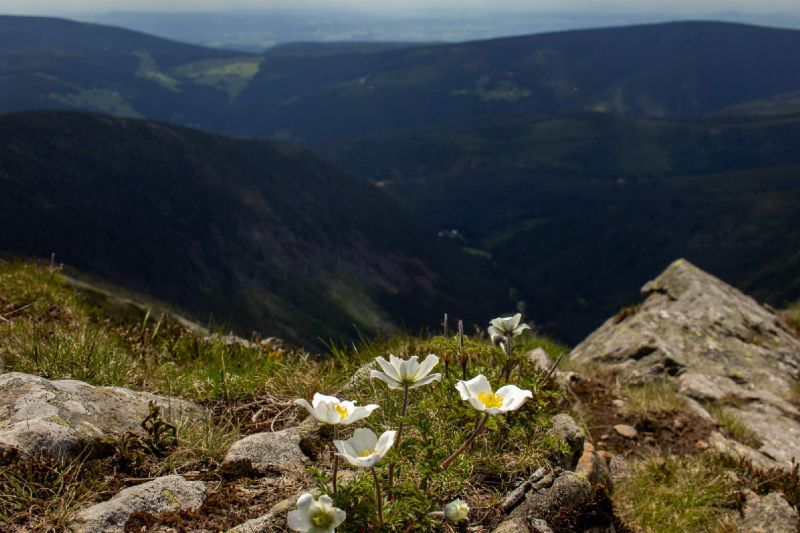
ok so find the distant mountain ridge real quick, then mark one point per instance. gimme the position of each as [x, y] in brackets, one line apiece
[248, 234]
[662, 70]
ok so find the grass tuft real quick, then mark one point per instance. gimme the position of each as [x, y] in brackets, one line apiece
[691, 494]
[653, 399]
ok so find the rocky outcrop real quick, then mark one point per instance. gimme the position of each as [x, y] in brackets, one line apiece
[63, 417]
[767, 514]
[169, 493]
[717, 345]
[277, 452]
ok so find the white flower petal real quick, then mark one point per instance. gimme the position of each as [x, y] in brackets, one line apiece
[425, 381]
[304, 502]
[339, 516]
[385, 442]
[388, 368]
[474, 386]
[513, 397]
[426, 366]
[358, 412]
[319, 398]
[298, 521]
[393, 383]
[410, 368]
[477, 404]
[308, 407]
[364, 439]
[397, 363]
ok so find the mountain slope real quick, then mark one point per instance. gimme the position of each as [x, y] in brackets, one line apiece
[578, 208]
[246, 233]
[674, 69]
[58, 64]
[309, 94]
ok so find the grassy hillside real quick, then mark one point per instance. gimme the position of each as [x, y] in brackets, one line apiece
[58, 64]
[51, 329]
[579, 209]
[249, 234]
[312, 93]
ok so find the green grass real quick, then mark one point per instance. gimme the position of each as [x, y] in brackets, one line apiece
[792, 316]
[52, 329]
[732, 425]
[668, 494]
[653, 399]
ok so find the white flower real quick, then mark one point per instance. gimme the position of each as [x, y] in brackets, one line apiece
[364, 448]
[329, 410]
[478, 392]
[398, 373]
[315, 516]
[456, 511]
[506, 327]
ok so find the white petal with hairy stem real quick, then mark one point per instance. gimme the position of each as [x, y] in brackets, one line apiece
[393, 383]
[427, 365]
[471, 388]
[388, 368]
[425, 381]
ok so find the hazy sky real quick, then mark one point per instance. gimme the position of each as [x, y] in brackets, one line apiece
[661, 6]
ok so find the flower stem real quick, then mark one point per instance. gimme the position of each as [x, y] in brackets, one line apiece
[335, 458]
[399, 431]
[466, 444]
[378, 497]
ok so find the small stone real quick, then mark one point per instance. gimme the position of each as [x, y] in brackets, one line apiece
[594, 468]
[768, 514]
[679, 423]
[629, 432]
[702, 445]
[619, 404]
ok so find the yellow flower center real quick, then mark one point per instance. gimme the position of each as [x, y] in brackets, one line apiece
[365, 453]
[342, 411]
[321, 519]
[490, 399]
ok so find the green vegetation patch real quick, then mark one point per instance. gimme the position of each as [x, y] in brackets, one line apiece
[691, 494]
[229, 75]
[103, 100]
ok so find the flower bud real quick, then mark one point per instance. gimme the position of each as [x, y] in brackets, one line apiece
[456, 511]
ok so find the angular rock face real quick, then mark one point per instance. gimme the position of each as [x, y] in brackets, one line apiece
[718, 343]
[62, 417]
[163, 494]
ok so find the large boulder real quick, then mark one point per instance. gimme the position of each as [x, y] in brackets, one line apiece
[718, 344]
[168, 493]
[63, 417]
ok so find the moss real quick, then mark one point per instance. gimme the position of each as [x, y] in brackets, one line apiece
[173, 501]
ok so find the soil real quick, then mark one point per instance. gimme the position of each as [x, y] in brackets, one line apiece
[666, 432]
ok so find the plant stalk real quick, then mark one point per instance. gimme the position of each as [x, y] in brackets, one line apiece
[335, 459]
[378, 497]
[399, 432]
[466, 444]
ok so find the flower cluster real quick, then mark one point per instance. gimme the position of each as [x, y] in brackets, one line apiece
[365, 449]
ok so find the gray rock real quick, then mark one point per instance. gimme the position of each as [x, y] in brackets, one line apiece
[62, 417]
[566, 429]
[720, 344]
[767, 514]
[162, 494]
[517, 525]
[568, 491]
[277, 452]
